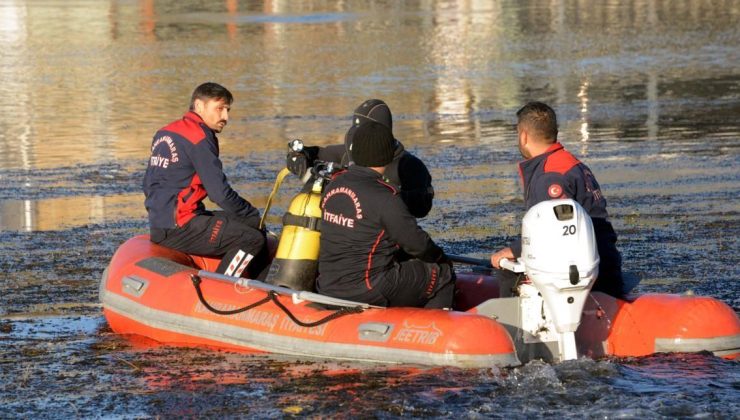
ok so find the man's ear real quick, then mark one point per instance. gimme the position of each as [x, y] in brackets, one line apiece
[198, 106]
[523, 137]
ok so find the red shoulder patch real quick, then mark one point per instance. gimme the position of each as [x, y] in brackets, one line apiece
[336, 174]
[561, 162]
[389, 186]
[187, 128]
[555, 191]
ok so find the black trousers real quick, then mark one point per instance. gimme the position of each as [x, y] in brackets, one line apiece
[610, 279]
[412, 283]
[241, 246]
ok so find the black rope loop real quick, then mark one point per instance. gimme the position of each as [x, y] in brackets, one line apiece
[339, 313]
[273, 296]
[196, 282]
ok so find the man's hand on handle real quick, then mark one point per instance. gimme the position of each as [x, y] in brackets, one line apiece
[499, 255]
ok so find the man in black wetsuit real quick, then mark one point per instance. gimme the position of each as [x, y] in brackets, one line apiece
[406, 172]
[365, 226]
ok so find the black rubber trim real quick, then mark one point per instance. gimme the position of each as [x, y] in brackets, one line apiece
[308, 222]
[162, 266]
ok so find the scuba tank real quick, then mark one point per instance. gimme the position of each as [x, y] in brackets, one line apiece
[296, 263]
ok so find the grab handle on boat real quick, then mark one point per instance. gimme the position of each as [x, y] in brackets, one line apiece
[196, 283]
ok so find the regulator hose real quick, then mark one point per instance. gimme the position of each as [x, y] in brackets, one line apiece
[278, 181]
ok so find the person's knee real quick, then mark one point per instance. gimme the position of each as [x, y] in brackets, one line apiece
[252, 240]
[443, 298]
[442, 290]
[260, 241]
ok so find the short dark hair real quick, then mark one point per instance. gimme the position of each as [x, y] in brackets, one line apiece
[210, 90]
[540, 118]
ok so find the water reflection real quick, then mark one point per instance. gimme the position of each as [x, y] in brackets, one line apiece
[148, 20]
[12, 20]
[93, 80]
[653, 104]
[583, 97]
[63, 212]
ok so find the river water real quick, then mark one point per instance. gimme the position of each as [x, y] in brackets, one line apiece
[647, 94]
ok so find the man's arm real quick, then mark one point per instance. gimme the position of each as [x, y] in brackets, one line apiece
[549, 186]
[334, 153]
[209, 168]
[416, 185]
[401, 228]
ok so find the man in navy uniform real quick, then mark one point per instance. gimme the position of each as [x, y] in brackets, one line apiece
[551, 172]
[183, 170]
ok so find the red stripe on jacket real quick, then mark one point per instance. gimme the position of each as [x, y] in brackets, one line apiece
[188, 200]
[370, 260]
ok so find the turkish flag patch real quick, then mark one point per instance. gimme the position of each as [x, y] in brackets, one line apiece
[555, 191]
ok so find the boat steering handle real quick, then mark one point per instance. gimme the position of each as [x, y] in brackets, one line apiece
[511, 265]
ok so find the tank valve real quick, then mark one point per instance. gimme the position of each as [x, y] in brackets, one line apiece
[296, 145]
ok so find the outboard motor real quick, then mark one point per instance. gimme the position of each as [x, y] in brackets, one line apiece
[559, 256]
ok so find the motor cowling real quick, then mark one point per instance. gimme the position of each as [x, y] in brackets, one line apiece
[560, 257]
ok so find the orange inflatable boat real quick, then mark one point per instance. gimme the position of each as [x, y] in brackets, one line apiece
[170, 297]
[546, 311]
[153, 291]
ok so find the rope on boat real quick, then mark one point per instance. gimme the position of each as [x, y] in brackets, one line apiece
[273, 296]
[196, 282]
[340, 312]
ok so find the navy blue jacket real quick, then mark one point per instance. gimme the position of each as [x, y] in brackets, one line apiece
[183, 170]
[558, 174]
[364, 225]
